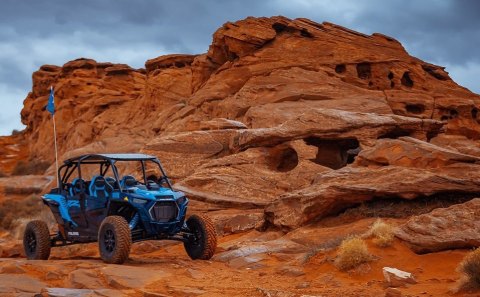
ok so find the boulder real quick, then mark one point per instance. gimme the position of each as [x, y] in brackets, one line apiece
[454, 227]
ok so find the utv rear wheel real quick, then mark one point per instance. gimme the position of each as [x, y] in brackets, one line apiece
[36, 240]
[114, 240]
[203, 241]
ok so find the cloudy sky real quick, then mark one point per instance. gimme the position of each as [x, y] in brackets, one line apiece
[37, 32]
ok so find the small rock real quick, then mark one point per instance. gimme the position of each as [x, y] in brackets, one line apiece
[397, 278]
[64, 292]
[393, 292]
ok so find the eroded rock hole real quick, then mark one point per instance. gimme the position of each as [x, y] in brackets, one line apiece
[475, 115]
[448, 114]
[453, 113]
[407, 80]
[341, 68]
[415, 108]
[305, 33]
[392, 84]
[279, 28]
[390, 75]
[364, 70]
[283, 159]
[395, 133]
[179, 64]
[334, 153]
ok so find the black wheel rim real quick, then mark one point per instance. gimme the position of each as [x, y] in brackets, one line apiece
[31, 242]
[109, 241]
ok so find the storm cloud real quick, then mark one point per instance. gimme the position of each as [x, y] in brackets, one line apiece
[34, 32]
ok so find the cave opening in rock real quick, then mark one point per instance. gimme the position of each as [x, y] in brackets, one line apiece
[395, 133]
[279, 28]
[475, 115]
[305, 33]
[179, 64]
[283, 158]
[415, 108]
[407, 80]
[334, 153]
[390, 75]
[340, 68]
[364, 70]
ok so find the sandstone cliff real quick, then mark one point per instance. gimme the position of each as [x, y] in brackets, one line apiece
[298, 118]
[292, 133]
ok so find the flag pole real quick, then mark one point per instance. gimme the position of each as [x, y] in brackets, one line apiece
[51, 108]
[56, 150]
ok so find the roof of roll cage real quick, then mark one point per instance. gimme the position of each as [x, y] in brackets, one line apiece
[108, 157]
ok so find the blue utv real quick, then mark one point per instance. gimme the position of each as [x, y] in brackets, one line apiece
[117, 210]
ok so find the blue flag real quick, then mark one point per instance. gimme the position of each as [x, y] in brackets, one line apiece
[51, 102]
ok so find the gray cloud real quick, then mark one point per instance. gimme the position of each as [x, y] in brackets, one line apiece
[37, 32]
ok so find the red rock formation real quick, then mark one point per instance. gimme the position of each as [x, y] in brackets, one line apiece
[274, 114]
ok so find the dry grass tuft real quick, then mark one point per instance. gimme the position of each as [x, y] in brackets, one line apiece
[352, 253]
[383, 234]
[470, 268]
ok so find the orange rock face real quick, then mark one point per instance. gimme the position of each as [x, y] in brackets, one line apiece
[282, 122]
[274, 104]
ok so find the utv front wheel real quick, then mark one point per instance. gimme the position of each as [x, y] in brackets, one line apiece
[203, 240]
[36, 240]
[114, 240]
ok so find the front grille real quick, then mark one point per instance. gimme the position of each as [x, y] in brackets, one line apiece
[164, 211]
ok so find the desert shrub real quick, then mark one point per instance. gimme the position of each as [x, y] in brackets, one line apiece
[470, 268]
[383, 234]
[352, 252]
[14, 211]
[30, 167]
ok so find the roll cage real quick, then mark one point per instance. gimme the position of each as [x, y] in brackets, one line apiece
[107, 161]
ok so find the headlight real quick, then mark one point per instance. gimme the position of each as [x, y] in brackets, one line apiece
[139, 201]
[181, 200]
